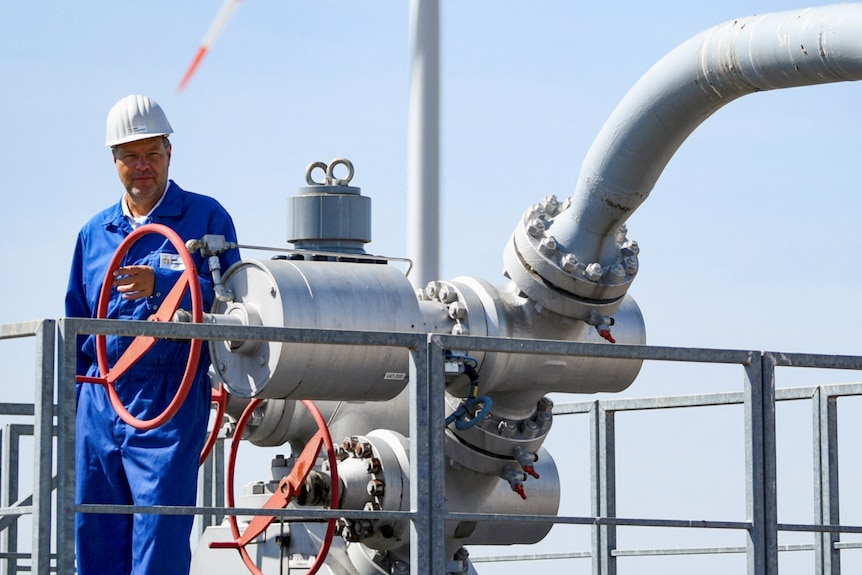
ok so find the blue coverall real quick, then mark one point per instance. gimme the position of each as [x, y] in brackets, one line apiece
[116, 463]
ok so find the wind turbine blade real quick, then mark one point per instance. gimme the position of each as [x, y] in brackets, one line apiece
[221, 19]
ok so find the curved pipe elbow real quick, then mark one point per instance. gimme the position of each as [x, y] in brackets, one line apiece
[766, 52]
[589, 267]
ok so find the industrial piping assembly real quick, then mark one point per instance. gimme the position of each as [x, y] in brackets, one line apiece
[570, 264]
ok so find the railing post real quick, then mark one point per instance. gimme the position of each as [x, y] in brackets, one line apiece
[211, 483]
[427, 483]
[603, 485]
[760, 476]
[3, 474]
[43, 439]
[206, 493]
[217, 457]
[66, 400]
[825, 419]
[9, 540]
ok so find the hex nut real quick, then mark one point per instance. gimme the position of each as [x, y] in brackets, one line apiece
[616, 273]
[536, 211]
[551, 205]
[594, 271]
[447, 294]
[431, 289]
[373, 465]
[630, 248]
[548, 246]
[536, 227]
[363, 450]
[460, 329]
[457, 310]
[529, 428]
[506, 428]
[545, 404]
[375, 488]
[569, 263]
[349, 443]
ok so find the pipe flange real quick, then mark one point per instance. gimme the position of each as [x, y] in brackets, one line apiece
[532, 285]
[491, 444]
[560, 266]
[462, 305]
[375, 477]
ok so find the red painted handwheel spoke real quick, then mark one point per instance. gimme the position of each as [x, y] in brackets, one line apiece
[288, 488]
[171, 303]
[139, 346]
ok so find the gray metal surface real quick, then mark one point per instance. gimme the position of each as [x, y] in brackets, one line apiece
[344, 295]
[516, 380]
[312, 294]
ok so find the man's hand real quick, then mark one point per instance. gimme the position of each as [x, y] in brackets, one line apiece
[135, 282]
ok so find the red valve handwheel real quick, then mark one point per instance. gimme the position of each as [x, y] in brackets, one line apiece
[141, 344]
[289, 487]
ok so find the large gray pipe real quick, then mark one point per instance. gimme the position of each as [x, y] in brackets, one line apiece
[743, 56]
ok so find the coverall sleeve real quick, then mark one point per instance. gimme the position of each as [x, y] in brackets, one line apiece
[77, 305]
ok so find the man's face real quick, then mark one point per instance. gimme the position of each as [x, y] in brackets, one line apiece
[143, 169]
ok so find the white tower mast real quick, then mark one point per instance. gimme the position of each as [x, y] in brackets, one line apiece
[423, 143]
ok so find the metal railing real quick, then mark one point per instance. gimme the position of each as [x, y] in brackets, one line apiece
[826, 527]
[428, 512]
[38, 505]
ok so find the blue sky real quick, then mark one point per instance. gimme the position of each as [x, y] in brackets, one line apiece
[748, 240]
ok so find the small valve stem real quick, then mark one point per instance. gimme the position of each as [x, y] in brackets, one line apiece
[221, 293]
[515, 479]
[602, 324]
[211, 246]
[527, 459]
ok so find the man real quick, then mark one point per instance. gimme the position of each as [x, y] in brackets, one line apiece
[115, 462]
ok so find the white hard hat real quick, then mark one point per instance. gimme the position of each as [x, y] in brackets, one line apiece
[135, 118]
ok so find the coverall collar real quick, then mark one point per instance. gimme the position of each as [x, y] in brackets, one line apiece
[170, 206]
[136, 221]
